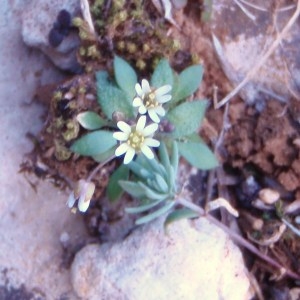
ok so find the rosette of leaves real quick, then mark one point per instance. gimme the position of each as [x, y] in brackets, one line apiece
[153, 183]
[115, 96]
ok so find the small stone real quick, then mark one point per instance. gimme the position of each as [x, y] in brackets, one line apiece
[64, 238]
[268, 196]
[294, 294]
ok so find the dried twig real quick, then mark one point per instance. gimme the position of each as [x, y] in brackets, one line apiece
[264, 57]
[237, 238]
[86, 13]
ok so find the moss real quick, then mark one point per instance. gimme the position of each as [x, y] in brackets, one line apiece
[61, 152]
[72, 130]
[126, 28]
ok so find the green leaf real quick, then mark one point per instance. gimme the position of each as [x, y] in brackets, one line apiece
[162, 75]
[112, 99]
[187, 117]
[142, 208]
[175, 157]
[189, 81]
[132, 188]
[139, 170]
[94, 143]
[125, 76]
[114, 190]
[150, 164]
[153, 195]
[90, 120]
[155, 214]
[161, 183]
[102, 79]
[105, 155]
[179, 214]
[198, 155]
[164, 155]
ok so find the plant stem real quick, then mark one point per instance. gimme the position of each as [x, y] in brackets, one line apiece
[94, 172]
[236, 237]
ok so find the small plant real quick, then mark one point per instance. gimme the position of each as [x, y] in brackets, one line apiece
[137, 118]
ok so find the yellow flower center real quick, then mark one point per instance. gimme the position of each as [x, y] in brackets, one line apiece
[136, 140]
[150, 100]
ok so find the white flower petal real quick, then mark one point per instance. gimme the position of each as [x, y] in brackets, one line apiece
[142, 109]
[139, 90]
[160, 110]
[164, 98]
[71, 200]
[145, 86]
[124, 127]
[151, 142]
[137, 102]
[120, 136]
[141, 124]
[82, 204]
[147, 151]
[150, 129]
[153, 116]
[129, 156]
[122, 149]
[163, 90]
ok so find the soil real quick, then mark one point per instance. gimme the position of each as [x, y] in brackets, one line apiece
[259, 149]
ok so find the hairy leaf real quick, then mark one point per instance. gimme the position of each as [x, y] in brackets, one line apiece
[94, 143]
[90, 120]
[162, 75]
[112, 100]
[125, 75]
[187, 117]
[189, 81]
[198, 154]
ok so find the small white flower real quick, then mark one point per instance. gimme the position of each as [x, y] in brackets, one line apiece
[82, 194]
[135, 139]
[151, 100]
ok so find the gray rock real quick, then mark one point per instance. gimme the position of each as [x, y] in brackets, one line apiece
[38, 19]
[31, 220]
[243, 33]
[194, 260]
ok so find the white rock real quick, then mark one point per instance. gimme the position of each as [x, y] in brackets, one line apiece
[38, 18]
[269, 196]
[194, 260]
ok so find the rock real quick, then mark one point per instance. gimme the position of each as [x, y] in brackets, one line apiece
[44, 19]
[33, 214]
[269, 196]
[243, 33]
[193, 260]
